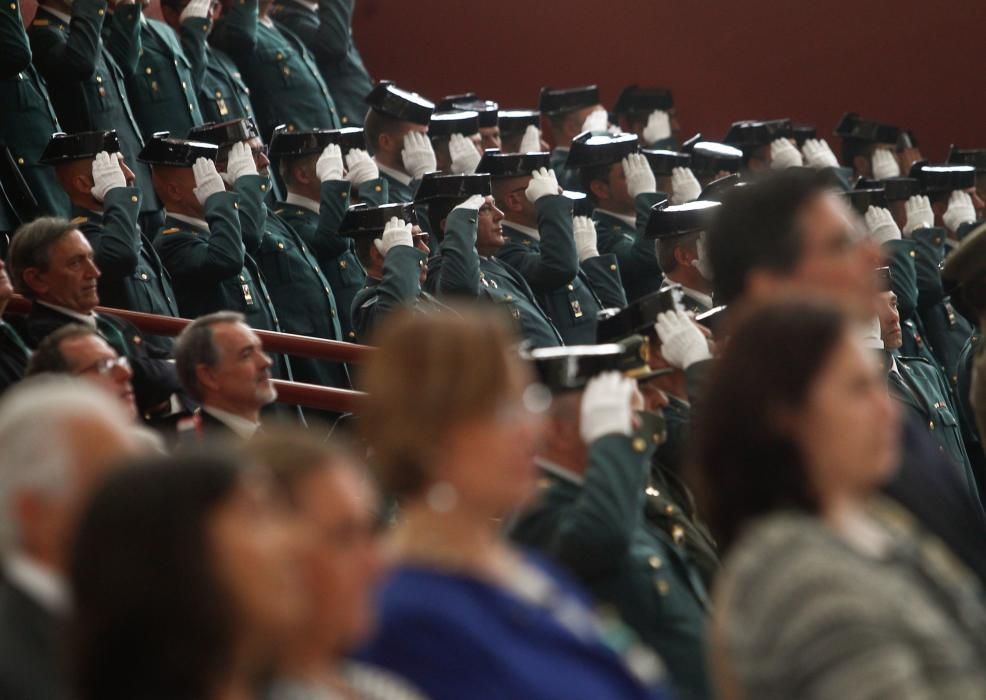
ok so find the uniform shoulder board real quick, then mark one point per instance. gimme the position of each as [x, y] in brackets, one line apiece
[79, 220]
[41, 22]
[166, 231]
[279, 212]
[369, 302]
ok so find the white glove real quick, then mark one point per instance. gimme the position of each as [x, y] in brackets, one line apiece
[881, 225]
[658, 126]
[360, 167]
[684, 186]
[960, 211]
[207, 180]
[640, 178]
[682, 344]
[783, 155]
[884, 164]
[195, 8]
[818, 154]
[240, 162]
[531, 141]
[395, 233]
[474, 203]
[465, 157]
[418, 155]
[543, 183]
[597, 120]
[329, 164]
[919, 214]
[106, 174]
[585, 237]
[607, 407]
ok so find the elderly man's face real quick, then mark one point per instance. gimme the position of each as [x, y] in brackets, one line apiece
[91, 358]
[70, 279]
[242, 375]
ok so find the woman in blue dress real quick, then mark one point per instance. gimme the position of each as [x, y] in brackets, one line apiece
[452, 423]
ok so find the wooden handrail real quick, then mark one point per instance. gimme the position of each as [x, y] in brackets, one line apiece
[286, 343]
[323, 398]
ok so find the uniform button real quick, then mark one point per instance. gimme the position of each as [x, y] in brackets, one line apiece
[345, 120]
[662, 586]
[133, 198]
[344, 194]
[333, 312]
[99, 78]
[184, 84]
[612, 267]
[280, 56]
[931, 425]
[655, 562]
[343, 264]
[13, 6]
[352, 334]
[911, 253]
[280, 245]
[148, 70]
[242, 278]
[236, 205]
[190, 107]
[286, 71]
[669, 509]
[378, 188]
[509, 298]
[100, 12]
[263, 188]
[639, 444]
[20, 161]
[571, 287]
[219, 93]
[143, 275]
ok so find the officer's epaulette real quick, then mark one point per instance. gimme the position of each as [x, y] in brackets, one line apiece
[279, 212]
[166, 231]
[79, 220]
[40, 22]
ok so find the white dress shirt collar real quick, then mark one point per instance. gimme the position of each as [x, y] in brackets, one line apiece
[302, 201]
[87, 319]
[190, 220]
[238, 424]
[630, 221]
[526, 230]
[398, 175]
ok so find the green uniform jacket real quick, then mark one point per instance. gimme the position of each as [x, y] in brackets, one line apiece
[459, 271]
[634, 252]
[595, 527]
[967, 415]
[922, 391]
[301, 294]
[28, 117]
[336, 255]
[901, 257]
[328, 34]
[133, 276]
[947, 331]
[162, 89]
[222, 95]
[551, 268]
[86, 82]
[399, 286]
[285, 83]
[398, 192]
[568, 179]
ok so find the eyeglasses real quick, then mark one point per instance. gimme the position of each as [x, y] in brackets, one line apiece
[106, 366]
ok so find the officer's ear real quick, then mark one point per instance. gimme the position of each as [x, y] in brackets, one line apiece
[684, 255]
[513, 201]
[861, 164]
[387, 142]
[303, 173]
[82, 184]
[34, 278]
[599, 189]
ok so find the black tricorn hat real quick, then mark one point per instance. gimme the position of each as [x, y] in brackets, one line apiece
[364, 220]
[300, 143]
[86, 144]
[516, 121]
[663, 162]
[883, 278]
[862, 200]
[581, 204]
[976, 157]
[161, 150]
[852, 126]
[717, 189]
[486, 109]
[570, 368]
[802, 132]
[680, 219]
[555, 101]
[641, 100]
[225, 133]
[753, 134]
[448, 102]
[639, 316]
[710, 158]
[589, 149]
[453, 122]
[438, 186]
[895, 189]
[389, 99]
[944, 177]
[503, 165]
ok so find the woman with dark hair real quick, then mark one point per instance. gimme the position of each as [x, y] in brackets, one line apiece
[827, 591]
[463, 614]
[184, 581]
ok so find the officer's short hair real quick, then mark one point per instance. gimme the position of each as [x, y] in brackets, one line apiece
[591, 174]
[48, 356]
[362, 245]
[756, 228]
[30, 247]
[667, 246]
[375, 125]
[195, 346]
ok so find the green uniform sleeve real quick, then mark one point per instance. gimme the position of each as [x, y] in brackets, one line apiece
[929, 252]
[15, 49]
[459, 270]
[603, 272]
[643, 256]
[194, 33]
[218, 256]
[374, 192]
[236, 32]
[116, 242]
[400, 283]
[333, 202]
[124, 41]
[72, 54]
[557, 263]
[901, 258]
[252, 191]
[331, 41]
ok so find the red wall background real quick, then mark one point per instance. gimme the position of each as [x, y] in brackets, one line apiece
[911, 62]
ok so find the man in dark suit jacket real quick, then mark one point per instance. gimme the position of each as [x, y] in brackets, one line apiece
[94, 432]
[52, 263]
[13, 350]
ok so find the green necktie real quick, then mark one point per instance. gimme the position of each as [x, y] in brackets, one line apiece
[15, 340]
[112, 335]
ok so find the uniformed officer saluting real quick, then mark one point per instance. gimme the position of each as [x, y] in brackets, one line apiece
[106, 206]
[393, 249]
[488, 111]
[397, 135]
[650, 114]
[456, 141]
[557, 258]
[623, 189]
[465, 218]
[570, 112]
[678, 232]
[596, 463]
[317, 199]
